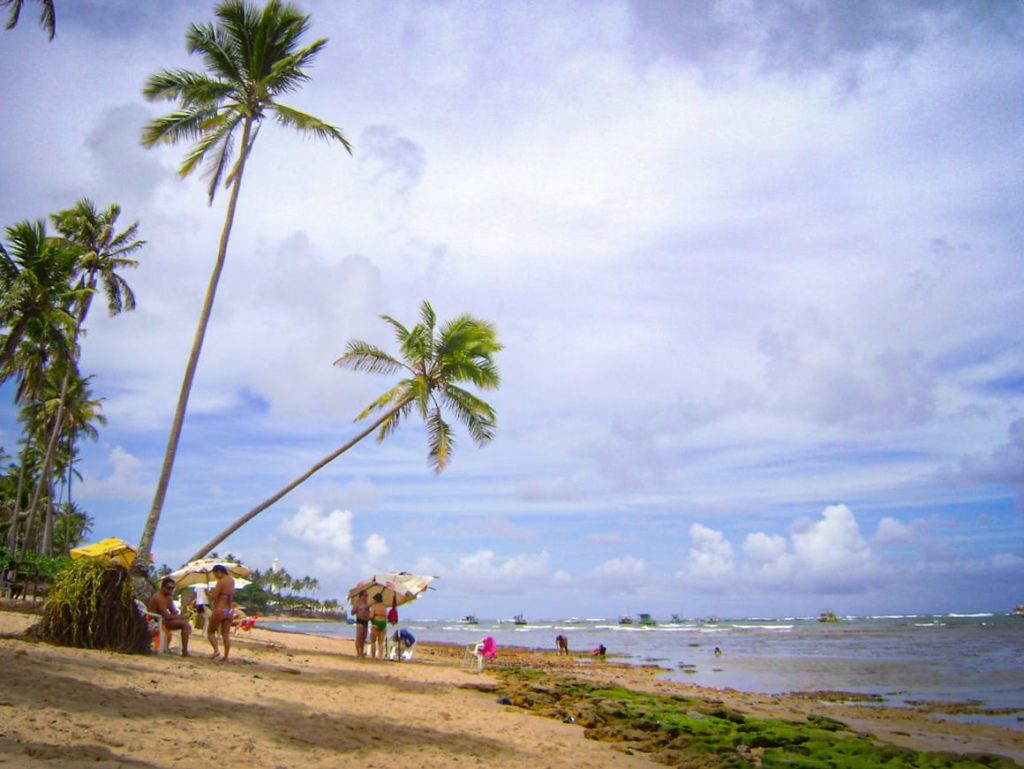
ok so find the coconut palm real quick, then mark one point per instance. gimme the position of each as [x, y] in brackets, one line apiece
[70, 399]
[252, 57]
[102, 251]
[36, 326]
[47, 14]
[435, 361]
[35, 297]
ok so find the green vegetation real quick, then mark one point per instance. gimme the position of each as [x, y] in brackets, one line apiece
[90, 606]
[692, 732]
[47, 284]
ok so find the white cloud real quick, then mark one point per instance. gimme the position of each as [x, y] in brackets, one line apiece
[125, 481]
[508, 575]
[891, 532]
[711, 556]
[762, 549]
[1004, 464]
[832, 549]
[627, 574]
[376, 548]
[331, 532]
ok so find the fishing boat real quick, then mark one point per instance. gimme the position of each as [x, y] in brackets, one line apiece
[469, 619]
[519, 619]
[1018, 610]
[647, 619]
[828, 616]
[625, 619]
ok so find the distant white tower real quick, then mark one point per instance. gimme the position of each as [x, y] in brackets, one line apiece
[275, 566]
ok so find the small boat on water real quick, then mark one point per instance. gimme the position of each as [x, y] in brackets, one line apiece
[1018, 610]
[469, 619]
[625, 619]
[519, 619]
[828, 616]
[647, 619]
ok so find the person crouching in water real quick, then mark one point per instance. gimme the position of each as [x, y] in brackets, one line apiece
[562, 643]
[222, 598]
[378, 626]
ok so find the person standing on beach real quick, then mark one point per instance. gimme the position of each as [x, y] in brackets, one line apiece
[361, 611]
[162, 603]
[201, 603]
[223, 599]
[378, 626]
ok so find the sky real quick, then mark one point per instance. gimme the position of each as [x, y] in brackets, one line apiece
[758, 271]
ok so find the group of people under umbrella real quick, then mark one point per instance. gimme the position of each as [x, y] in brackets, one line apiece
[375, 603]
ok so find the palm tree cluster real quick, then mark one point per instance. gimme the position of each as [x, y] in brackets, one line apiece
[47, 284]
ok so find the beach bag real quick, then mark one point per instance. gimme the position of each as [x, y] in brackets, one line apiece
[393, 615]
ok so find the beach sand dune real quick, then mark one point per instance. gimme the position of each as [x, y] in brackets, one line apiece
[296, 701]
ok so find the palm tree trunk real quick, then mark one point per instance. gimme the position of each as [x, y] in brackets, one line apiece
[12, 533]
[51, 446]
[301, 479]
[58, 420]
[141, 563]
[46, 548]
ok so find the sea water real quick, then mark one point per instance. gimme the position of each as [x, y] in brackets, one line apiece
[901, 658]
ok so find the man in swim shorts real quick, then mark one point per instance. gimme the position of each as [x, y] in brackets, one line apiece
[361, 611]
[162, 603]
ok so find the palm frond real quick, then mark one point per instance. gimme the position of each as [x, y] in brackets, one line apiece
[477, 415]
[217, 52]
[361, 356]
[389, 398]
[190, 88]
[309, 124]
[393, 422]
[177, 126]
[440, 440]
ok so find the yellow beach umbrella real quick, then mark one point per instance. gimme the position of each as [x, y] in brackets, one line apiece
[109, 549]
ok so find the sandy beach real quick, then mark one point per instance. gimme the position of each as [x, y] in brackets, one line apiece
[289, 700]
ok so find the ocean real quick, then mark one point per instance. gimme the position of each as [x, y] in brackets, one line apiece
[937, 657]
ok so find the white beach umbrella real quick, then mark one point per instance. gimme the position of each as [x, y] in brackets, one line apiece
[201, 572]
[396, 587]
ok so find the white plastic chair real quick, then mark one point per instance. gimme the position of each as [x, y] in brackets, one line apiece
[477, 654]
[155, 625]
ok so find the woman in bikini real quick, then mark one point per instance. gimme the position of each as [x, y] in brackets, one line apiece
[222, 598]
[378, 626]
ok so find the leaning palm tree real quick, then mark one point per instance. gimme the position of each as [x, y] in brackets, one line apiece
[47, 14]
[252, 56]
[102, 252]
[435, 362]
